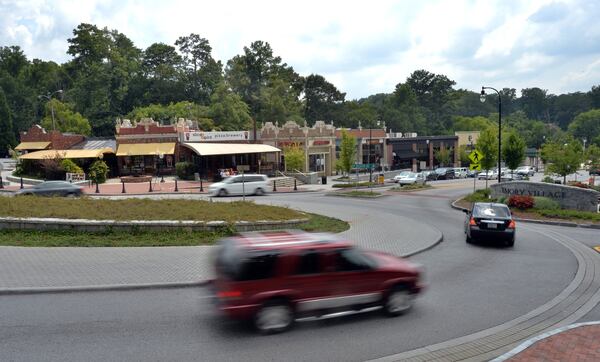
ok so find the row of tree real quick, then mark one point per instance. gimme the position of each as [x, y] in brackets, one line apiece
[109, 77]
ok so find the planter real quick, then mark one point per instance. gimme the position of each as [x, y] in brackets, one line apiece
[135, 179]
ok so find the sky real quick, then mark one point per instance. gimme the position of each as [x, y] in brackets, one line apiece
[362, 47]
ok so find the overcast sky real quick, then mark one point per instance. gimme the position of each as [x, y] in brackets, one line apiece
[363, 47]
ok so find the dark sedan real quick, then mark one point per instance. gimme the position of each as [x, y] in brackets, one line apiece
[53, 188]
[490, 221]
[445, 173]
[430, 175]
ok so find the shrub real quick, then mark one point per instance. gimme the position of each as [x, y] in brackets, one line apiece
[98, 171]
[70, 166]
[353, 184]
[503, 200]
[521, 202]
[578, 184]
[548, 179]
[544, 203]
[479, 196]
[185, 170]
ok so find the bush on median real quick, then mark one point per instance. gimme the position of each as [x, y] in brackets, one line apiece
[353, 184]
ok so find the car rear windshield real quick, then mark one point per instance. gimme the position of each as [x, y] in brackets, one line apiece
[239, 265]
[490, 211]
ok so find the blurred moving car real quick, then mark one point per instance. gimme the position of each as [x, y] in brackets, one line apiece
[472, 173]
[595, 171]
[52, 188]
[409, 178]
[248, 184]
[525, 171]
[512, 176]
[273, 278]
[445, 173]
[490, 221]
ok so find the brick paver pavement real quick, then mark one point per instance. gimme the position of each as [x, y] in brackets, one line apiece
[580, 344]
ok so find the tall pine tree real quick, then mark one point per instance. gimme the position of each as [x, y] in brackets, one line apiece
[7, 136]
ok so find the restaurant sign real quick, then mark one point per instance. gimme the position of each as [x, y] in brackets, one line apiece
[201, 136]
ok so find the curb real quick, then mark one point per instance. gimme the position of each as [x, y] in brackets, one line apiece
[543, 222]
[102, 288]
[431, 246]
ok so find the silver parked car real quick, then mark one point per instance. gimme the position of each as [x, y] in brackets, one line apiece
[53, 188]
[409, 178]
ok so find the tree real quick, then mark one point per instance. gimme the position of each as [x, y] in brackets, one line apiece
[487, 145]
[592, 155]
[513, 150]
[463, 155]
[534, 103]
[65, 119]
[435, 94]
[98, 171]
[294, 159]
[321, 99]
[587, 125]
[562, 158]
[228, 110]
[7, 136]
[402, 112]
[347, 153]
[478, 123]
[442, 156]
[594, 95]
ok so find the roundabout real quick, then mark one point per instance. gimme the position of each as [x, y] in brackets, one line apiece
[480, 301]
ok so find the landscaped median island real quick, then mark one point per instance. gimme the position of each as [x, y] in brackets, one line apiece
[355, 193]
[533, 208]
[412, 187]
[228, 215]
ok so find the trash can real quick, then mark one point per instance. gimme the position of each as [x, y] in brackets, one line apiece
[380, 179]
[323, 180]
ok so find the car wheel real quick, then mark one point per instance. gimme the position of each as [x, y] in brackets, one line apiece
[222, 192]
[259, 192]
[70, 195]
[275, 316]
[398, 301]
[510, 243]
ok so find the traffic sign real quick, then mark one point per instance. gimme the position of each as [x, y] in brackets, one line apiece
[475, 156]
[363, 165]
[243, 167]
[475, 167]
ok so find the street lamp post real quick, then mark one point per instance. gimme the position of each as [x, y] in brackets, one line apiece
[49, 97]
[482, 98]
[161, 156]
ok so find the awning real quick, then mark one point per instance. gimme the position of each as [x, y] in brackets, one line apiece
[32, 146]
[142, 149]
[50, 154]
[210, 149]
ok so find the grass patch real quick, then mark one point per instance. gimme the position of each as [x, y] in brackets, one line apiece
[316, 223]
[411, 187]
[358, 194]
[354, 184]
[141, 209]
[480, 196]
[570, 214]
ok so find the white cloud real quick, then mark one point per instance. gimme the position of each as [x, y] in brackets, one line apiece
[363, 48]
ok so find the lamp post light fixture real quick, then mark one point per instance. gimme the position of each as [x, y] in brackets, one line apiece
[49, 97]
[482, 99]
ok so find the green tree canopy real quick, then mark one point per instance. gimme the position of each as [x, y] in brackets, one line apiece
[228, 110]
[513, 150]
[487, 144]
[562, 158]
[7, 137]
[65, 118]
[443, 156]
[347, 152]
[587, 125]
[478, 123]
[294, 159]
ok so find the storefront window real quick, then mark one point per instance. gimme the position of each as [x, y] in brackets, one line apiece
[316, 162]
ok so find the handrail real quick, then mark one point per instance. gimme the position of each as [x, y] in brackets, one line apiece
[303, 174]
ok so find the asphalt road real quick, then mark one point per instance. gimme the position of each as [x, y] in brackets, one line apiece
[471, 288]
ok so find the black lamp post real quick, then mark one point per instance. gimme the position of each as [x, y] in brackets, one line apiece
[482, 98]
[161, 156]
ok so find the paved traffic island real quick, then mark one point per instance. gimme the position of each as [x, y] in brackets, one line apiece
[34, 221]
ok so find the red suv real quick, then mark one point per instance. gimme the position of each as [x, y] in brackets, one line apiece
[275, 278]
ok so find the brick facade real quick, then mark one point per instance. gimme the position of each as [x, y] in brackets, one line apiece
[58, 140]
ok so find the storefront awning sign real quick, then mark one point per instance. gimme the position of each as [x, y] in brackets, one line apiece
[211, 149]
[145, 149]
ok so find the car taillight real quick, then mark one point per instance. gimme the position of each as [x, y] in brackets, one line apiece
[512, 224]
[472, 222]
[229, 294]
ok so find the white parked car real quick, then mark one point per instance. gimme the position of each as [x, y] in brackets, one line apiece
[249, 184]
[461, 172]
[525, 171]
[487, 175]
[409, 178]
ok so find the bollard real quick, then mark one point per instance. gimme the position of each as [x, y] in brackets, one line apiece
[201, 187]
[21, 183]
[123, 190]
[97, 188]
[176, 188]
[274, 185]
[150, 189]
[1, 183]
[295, 187]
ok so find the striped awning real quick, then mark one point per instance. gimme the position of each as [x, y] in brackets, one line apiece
[143, 149]
[50, 154]
[32, 146]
